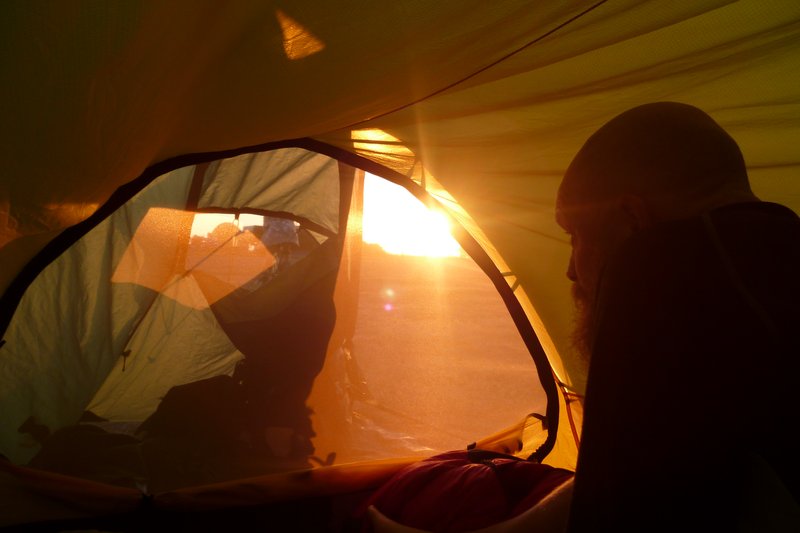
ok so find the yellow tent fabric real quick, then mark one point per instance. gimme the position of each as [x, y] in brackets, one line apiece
[487, 100]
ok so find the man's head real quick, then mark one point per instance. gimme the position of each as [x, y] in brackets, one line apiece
[653, 163]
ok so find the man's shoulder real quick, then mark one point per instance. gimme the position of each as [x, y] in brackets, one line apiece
[677, 263]
[750, 228]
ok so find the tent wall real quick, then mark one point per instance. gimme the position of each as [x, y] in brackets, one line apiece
[88, 321]
[120, 311]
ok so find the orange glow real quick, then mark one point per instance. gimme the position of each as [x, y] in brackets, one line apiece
[298, 41]
[151, 257]
[205, 223]
[393, 217]
[401, 224]
[221, 261]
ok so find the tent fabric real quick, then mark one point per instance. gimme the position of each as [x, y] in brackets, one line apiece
[59, 370]
[297, 181]
[481, 104]
[148, 283]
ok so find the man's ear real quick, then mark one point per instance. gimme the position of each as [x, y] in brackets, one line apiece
[636, 211]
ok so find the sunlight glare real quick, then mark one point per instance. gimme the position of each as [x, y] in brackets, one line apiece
[401, 224]
[298, 41]
[205, 223]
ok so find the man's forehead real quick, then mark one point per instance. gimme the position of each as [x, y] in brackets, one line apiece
[569, 211]
[567, 215]
[565, 207]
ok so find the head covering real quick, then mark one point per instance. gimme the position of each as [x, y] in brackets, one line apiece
[662, 151]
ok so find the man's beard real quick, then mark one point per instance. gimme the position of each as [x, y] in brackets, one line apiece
[584, 324]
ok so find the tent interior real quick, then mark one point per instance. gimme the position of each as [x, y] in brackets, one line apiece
[200, 319]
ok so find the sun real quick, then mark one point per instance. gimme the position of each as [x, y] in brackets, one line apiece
[397, 221]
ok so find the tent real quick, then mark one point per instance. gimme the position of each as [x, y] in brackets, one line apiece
[122, 120]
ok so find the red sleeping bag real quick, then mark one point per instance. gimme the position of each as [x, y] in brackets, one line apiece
[463, 490]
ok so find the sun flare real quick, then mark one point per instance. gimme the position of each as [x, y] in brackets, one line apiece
[401, 224]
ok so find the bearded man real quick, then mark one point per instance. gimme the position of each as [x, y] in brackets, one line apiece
[688, 288]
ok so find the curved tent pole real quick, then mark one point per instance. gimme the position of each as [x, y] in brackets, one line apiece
[479, 255]
[13, 294]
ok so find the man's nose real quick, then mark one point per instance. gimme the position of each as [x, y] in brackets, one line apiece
[571, 275]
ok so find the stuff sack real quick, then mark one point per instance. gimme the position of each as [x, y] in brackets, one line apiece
[463, 490]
